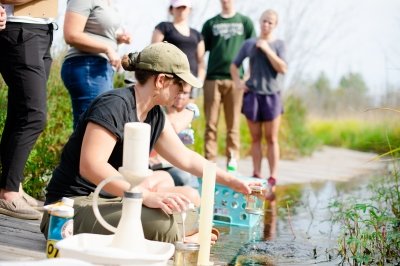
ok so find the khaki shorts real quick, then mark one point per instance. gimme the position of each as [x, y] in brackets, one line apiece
[157, 225]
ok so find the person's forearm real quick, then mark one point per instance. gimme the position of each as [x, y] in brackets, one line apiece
[201, 66]
[97, 174]
[235, 74]
[201, 73]
[157, 36]
[194, 162]
[224, 178]
[85, 43]
[277, 63]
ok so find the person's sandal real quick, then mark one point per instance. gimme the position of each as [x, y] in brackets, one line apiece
[257, 176]
[271, 181]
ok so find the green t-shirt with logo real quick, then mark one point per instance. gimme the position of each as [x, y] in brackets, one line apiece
[223, 38]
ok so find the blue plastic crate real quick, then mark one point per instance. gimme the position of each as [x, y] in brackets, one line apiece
[229, 205]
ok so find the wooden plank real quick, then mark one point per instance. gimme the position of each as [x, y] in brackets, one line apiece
[19, 254]
[21, 239]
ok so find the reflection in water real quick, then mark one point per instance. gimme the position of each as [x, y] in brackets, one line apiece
[294, 230]
[270, 219]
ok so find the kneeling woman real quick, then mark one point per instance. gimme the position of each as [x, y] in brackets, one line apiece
[94, 150]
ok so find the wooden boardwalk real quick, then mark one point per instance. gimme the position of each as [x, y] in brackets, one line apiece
[22, 240]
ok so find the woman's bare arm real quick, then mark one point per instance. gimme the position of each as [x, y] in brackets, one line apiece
[97, 146]
[174, 151]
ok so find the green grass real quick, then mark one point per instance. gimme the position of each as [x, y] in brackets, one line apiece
[379, 136]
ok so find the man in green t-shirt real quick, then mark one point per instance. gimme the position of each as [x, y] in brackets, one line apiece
[223, 37]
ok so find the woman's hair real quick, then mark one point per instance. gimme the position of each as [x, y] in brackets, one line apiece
[270, 12]
[128, 63]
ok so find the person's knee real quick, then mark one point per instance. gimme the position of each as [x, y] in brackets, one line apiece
[158, 180]
[164, 179]
[194, 196]
[191, 193]
[256, 139]
[271, 140]
[39, 121]
[159, 226]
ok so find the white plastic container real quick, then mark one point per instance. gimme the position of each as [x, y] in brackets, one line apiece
[97, 249]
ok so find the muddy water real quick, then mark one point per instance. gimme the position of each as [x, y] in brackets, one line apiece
[295, 229]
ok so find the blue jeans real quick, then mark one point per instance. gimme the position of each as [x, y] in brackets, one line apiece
[182, 178]
[86, 77]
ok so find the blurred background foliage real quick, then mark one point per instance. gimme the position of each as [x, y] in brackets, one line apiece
[316, 114]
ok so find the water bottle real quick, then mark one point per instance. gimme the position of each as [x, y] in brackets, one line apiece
[232, 163]
[61, 224]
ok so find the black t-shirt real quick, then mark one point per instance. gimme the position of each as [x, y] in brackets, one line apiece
[110, 110]
[188, 44]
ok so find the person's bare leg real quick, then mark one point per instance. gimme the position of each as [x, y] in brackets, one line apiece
[13, 204]
[159, 179]
[8, 194]
[256, 148]
[271, 137]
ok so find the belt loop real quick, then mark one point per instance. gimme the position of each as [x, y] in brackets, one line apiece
[53, 26]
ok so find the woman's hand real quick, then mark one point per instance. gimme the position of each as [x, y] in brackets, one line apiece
[263, 45]
[124, 37]
[168, 202]
[241, 85]
[114, 58]
[240, 186]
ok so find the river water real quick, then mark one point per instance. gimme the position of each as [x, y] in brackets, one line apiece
[296, 228]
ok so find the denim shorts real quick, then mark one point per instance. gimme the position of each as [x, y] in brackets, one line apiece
[262, 107]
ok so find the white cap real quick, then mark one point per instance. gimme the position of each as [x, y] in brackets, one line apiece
[68, 202]
[178, 3]
[63, 211]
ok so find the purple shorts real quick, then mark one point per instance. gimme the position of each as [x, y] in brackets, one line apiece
[261, 107]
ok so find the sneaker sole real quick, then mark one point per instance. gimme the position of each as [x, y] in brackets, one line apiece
[21, 215]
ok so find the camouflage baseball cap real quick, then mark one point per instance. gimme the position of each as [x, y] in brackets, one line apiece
[166, 58]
